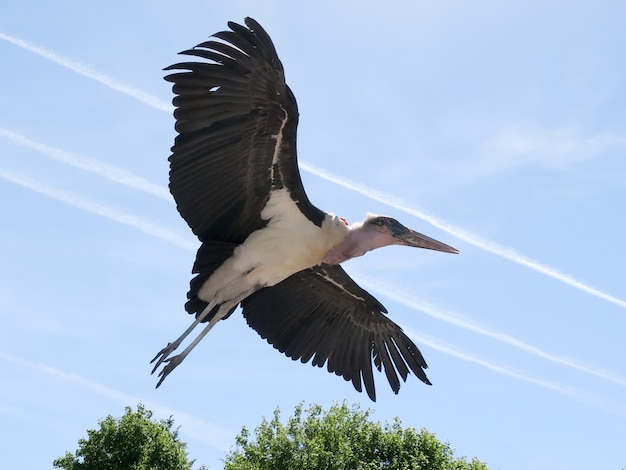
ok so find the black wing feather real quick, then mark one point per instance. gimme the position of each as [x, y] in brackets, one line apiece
[229, 111]
[322, 314]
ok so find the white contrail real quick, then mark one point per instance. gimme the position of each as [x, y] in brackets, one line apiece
[387, 199]
[146, 98]
[400, 297]
[124, 177]
[472, 239]
[598, 402]
[469, 325]
[111, 172]
[208, 434]
[124, 218]
[168, 236]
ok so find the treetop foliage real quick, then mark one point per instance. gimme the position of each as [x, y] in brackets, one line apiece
[132, 442]
[341, 438]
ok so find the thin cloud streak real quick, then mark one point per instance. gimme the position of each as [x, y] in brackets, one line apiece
[472, 239]
[387, 199]
[111, 172]
[148, 227]
[467, 324]
[598, 402]
[146, 98]
[204, 432]
[164, 234]
[116, 215]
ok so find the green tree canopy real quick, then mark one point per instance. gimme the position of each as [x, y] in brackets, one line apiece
[341, 438]
[133, 442]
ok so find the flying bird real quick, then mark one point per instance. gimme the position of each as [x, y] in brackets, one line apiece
[265, 246]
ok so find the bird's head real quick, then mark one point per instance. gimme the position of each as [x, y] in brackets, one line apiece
[389, 231]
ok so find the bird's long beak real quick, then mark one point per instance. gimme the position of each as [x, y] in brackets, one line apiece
[408, 237]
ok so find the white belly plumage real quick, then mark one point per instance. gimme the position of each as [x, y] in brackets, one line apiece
[288, 244]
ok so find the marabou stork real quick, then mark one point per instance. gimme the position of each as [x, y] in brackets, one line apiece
[235, 179]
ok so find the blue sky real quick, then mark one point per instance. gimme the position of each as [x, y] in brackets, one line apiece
[496, 127]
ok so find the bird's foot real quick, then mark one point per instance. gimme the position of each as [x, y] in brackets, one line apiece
[163, 354]
[172, 363]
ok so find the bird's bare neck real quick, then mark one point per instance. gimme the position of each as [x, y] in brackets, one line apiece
[358, 241]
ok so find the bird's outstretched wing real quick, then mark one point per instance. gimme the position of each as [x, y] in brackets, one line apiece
[237, 121]
[322, 314]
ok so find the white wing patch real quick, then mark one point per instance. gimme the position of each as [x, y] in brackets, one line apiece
[330, 280]
[279, 140]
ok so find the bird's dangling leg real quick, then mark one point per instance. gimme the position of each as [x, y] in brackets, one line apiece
[164, 353]
[173, 362]
[225, 308]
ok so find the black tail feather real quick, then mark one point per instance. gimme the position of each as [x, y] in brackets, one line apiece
[211, 255]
